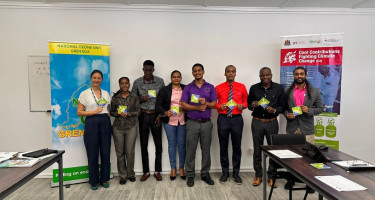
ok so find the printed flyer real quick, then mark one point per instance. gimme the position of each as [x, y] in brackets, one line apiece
[321, 55]
[70, 67]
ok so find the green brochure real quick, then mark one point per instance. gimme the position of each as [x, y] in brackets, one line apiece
[122, 109]
[231, 104]
[175, 110]
[320, 165]
[102, 102]
[194, 98]
[263, 102]
[297, 110]
[152, 93]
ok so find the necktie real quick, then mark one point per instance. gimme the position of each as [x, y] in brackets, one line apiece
[230, 97]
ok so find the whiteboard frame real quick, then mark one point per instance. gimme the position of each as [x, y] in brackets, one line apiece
[43, 106]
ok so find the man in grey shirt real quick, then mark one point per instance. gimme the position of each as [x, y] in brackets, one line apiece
[147, 87]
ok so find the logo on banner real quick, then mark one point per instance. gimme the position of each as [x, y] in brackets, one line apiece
[287, 43]
[298, 42]
[330, 40]
[290, 57]
[314, 41]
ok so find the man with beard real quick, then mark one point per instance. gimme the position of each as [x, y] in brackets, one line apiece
[302, 94]
[303, 102]
[266, 100]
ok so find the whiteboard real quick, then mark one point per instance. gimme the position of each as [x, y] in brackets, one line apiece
[39, 83]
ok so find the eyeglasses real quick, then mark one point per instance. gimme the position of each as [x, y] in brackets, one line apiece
[356, 163]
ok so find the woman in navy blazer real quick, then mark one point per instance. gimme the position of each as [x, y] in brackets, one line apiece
[168, 105]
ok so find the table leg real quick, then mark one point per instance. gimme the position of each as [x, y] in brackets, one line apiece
[61, 183]
[264, 176]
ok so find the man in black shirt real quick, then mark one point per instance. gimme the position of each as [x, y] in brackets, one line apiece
[266, 100]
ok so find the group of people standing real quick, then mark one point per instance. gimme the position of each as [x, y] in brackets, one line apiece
[185, 113]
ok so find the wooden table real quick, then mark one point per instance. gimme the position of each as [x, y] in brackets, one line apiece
[301, 168]
[13, 178]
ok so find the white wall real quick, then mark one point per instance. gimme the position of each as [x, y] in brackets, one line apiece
[177, 40]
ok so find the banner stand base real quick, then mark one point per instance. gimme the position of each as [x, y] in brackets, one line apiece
[65, 183]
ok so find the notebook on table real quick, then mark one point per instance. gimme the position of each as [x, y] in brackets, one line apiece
[39, 153]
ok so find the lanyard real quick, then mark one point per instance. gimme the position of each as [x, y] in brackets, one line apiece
[95, 96]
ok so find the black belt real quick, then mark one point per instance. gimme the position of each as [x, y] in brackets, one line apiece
[150, 112]
[265, 120]
[200, 120]
[233, 116]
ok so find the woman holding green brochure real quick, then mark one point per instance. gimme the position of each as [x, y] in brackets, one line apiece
[93, 104]
[168, 105]
[125, 108]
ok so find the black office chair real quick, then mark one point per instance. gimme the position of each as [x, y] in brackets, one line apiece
[288, 139]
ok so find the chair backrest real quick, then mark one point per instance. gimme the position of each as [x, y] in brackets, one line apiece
[288, 139]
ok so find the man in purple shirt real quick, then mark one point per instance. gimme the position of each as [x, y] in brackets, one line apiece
[198, 98]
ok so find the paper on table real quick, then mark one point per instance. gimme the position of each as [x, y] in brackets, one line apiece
[340, 183]
[4, 156]
[285, 154]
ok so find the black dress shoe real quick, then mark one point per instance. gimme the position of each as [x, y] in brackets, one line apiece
[208, 180]
[122, 181]
[237, 179]
[131, 179]
[289, 185]
[223, 178]
[190, 182]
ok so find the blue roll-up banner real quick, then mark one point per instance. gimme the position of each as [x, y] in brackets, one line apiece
[70, 67]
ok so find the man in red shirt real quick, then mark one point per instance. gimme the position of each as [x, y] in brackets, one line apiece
[231, 100]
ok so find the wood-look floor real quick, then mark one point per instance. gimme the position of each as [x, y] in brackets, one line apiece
[39, 189]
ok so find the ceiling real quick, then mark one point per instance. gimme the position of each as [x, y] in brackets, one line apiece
[346, 4]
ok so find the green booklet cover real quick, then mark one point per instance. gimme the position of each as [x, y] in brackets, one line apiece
[297, 110]
[320, 165]
[122, 109]
[263, 102]
[102, 102]
[194, 98]
[152, 93]
[231, 104]
[175, 110]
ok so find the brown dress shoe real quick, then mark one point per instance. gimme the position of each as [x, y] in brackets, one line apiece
[173, 174]
[158, 176]
[270, 182]
[257, 181]
[145, 176]
[182, 173]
